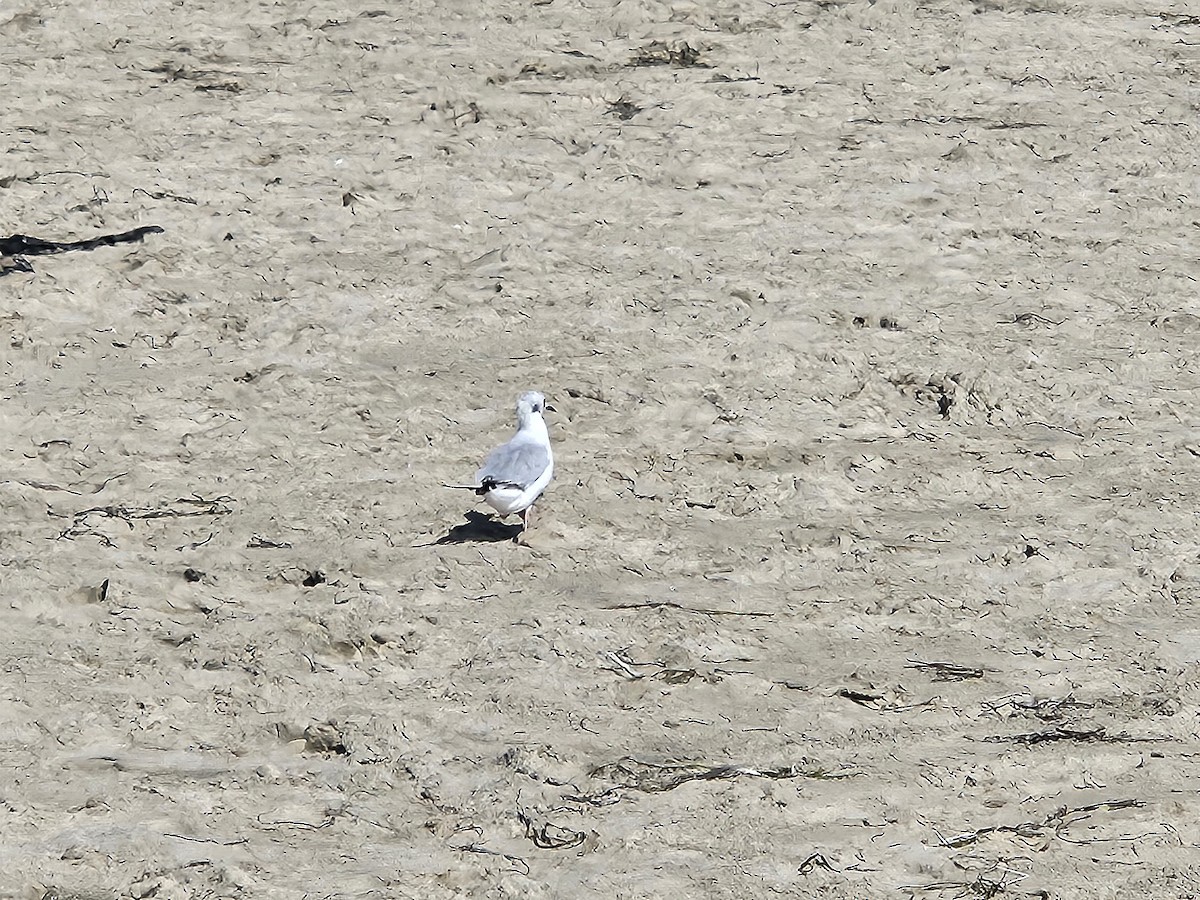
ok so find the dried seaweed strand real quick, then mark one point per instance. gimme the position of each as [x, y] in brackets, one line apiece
[636, 775]
[671, 604]
[519, 865]
[1072, 733]
[947, 671]
[548, 836]
[199, 507]
[1055, 822]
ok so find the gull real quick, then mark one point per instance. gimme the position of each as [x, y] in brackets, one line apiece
[516, 473]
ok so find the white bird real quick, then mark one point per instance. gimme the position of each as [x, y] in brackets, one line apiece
[516, 473]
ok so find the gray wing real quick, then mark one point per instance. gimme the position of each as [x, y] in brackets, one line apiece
[517, 463]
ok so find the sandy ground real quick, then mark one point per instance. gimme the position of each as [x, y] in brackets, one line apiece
[871, 563]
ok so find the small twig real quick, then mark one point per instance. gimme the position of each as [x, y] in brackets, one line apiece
[874, 701]
[621, 666]
[184, 837]
[286, 823]
[519, 865]
[91, 488]
[164, 195]
[197, 544]
[671, 604]
[947, 671]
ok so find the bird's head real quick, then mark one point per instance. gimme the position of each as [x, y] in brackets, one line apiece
[532, 403]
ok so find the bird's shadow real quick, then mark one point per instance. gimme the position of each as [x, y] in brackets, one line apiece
[480, 529]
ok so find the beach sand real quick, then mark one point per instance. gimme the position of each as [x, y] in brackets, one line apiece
[870, 562]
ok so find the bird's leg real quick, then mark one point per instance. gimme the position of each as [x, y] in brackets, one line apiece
[517, 536]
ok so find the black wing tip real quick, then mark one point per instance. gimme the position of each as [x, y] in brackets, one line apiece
[491, 483]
